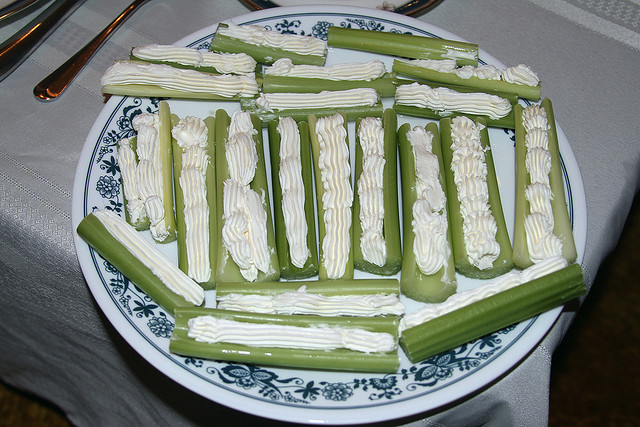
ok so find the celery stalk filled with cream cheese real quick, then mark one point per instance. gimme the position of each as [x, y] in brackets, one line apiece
[334, 195]
[195, 196]
[428, 268]
[146, 174]
[436, 102]
[267, 46]
[542, 223]
[363, 344]
[481, 244]
[245, 237]
[293, 203]
[376, 223]
[139, 260]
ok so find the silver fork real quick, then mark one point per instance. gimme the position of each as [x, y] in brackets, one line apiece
[52, 86]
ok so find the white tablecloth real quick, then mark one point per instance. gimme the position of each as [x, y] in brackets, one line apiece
[56, 343]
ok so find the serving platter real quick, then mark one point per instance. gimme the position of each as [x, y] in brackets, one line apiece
[296, 395]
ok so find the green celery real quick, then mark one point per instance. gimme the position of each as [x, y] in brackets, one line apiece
[504, 261]
[143, 222]
[288, 84]
[226, 269]
[339, 359]
[262, 54]
[321, 287]
[202, 69]
[166, 166]
[148, 90]
[315, 149]
[492, 313]
[403, 45]
[562, 222]
[413, 283]
[499, 87]
[391, 222]
[287, 269]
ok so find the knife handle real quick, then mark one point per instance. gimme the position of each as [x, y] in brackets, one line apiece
[15, 50]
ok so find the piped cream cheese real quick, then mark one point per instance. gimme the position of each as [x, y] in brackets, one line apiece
[257, 35]
[128, 163]
[293, 191]
[429, 223]
[465, 298]
[337, 199]
[214, 330]
[326, 99]
[470, 177]
[148, 254]
[366, 71]
[191, 135]
[445, 101]
[302, 302]
[224, 63]
[370, 187]
[178, 79]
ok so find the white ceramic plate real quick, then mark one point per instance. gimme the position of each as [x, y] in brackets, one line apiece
[299, 395]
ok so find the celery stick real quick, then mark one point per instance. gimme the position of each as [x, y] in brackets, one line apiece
[322, 287]
[226, 269]
[403, 45]
[142, 221]
[391, 221]
[287, 268]
[493, 313]
[499, 87]
[178, 152]
[166, 165]
[339, 359]
[92, 231]
[320, 192]
[261, 53]
[414, 284]
[289, 84]
[562, 222]
[202, 68]
[503, 262]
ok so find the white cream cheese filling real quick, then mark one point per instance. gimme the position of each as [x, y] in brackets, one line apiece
[445, 101]
[128, 163]
[371, 191]
[499, 284]
[429, 223]
[224, 63]
[367, 97]
[366, 71]
[257, 35]
[293, 191]
[337, 199]
[215, 330]
[184, 80]
[191, 135]
[470, 176]
[147, 253]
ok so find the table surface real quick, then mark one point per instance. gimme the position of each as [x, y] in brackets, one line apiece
[56, 342]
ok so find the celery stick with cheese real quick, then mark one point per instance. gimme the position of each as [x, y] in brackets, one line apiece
[364, 344]
[428, 268]
[146, 173]
[267, 46]
[474, 313]
[246, 241]
[481, 245]
[542, 223]
[195, 196]
[139, 260]
[293, 207]
[436, 102]
[134, 78]
[284, 77]
[354, 103]
[194, 59]
[376, 223]
[403, 45]
[352, 297]
[520, 80]
[334, 195]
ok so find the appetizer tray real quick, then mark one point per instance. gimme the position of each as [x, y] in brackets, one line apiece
[305, 396]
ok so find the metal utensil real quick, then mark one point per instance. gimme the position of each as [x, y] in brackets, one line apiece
[52, 86]
[14, 8]
[21, 44]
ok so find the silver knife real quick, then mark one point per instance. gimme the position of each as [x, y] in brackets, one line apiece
[14, 50]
